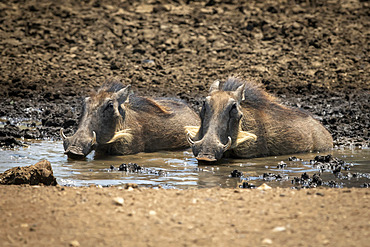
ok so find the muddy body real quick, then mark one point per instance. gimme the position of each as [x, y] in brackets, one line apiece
[116, 123]
[241, 120]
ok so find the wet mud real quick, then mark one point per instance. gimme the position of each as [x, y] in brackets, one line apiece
[323, 164]
[322, 171]
[315, 57]
[135, 168]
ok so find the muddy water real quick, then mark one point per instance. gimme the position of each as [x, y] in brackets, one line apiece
[180, 169]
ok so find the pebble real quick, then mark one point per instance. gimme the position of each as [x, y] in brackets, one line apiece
[279, 229]
[266, 241]
[264, 187]
[118, 201]
[74, 243]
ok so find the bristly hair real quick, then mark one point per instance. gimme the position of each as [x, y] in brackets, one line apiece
[253, 93]
[111, 85]
[148, 105]
[258, 98]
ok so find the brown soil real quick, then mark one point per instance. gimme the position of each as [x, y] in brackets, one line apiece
[54, 52]
[63, 216]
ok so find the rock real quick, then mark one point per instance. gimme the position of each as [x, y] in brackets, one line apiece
[264, 187]
[129, 186]
[266, 241]
[10, 142]
[118, 201]
[271, 176]
[294, 159]
[40, 173]
[246, 185]
[279, 229]
[74, 243]
[281, 165]
[236, 174]
[130, 167]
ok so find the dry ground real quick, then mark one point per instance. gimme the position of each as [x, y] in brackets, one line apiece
[58, 216]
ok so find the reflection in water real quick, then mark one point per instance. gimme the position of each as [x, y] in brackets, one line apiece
[178, 169]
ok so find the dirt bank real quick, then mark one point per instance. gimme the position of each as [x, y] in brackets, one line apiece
[56, 216]
[313, 57]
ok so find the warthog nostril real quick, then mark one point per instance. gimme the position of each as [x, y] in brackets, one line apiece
[75, 153]
[75, 156]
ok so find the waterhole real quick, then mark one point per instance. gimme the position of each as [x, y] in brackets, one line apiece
[180, 169]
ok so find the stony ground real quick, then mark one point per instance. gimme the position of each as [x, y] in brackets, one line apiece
[62, 216]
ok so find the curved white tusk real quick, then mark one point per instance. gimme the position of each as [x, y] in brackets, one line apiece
[228, 144]
[188, 138]
[94, 138]
[62, 134]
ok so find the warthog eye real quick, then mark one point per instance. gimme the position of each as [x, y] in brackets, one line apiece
[233, 110]
[203, 109]
[235, 113]
[109, 106]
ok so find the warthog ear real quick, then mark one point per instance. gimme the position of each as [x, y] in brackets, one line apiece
[192, 130]
[239, 93]
[244, 136]
[123, 135]
[122, 94]
[215, 86]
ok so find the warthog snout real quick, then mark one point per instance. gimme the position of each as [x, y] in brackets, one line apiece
[220, 128]
[206, 150]
[78, 147]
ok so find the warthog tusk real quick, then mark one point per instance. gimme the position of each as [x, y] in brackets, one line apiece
[228, 144]
[192, 130]
[123, 135]
[188, 138]
[62, 134]
[94, 138]
[244, 136]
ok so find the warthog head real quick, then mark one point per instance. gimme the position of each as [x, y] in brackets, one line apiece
[220, 125]
[102, 114]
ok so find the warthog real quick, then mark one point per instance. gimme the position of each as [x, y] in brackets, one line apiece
[114, 122]
[242, 120]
